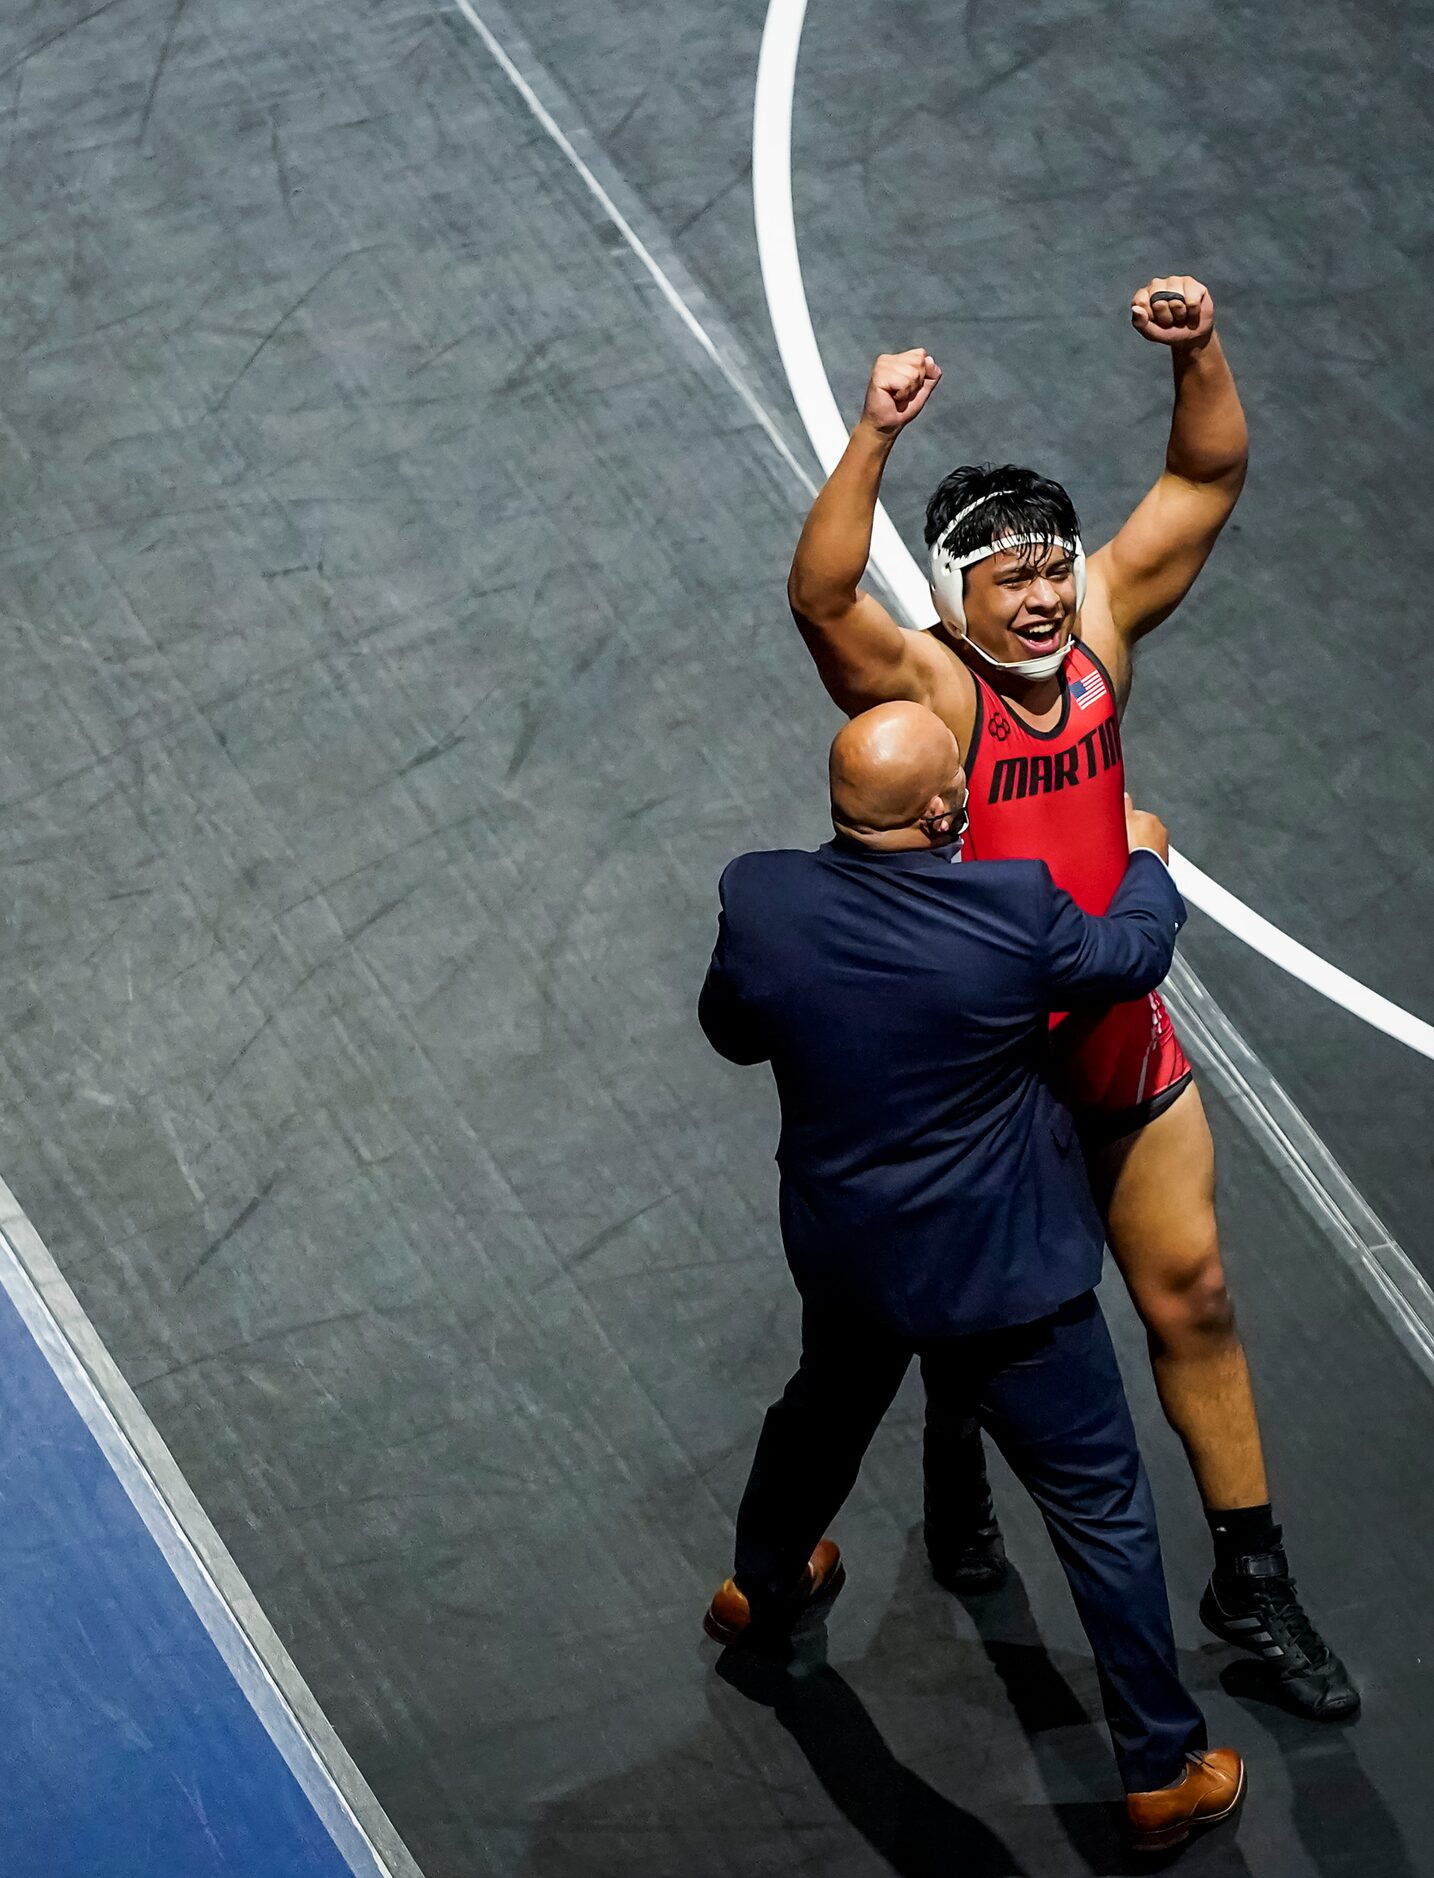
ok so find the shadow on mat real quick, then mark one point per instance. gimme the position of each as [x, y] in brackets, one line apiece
[995, 1719]
[918, 1831]
[1070, 1745]
[1344, 1826]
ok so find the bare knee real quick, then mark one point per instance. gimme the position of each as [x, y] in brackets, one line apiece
[1190, 1312]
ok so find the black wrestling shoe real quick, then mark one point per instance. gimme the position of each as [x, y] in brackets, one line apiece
[1255, 1607]
[974, 1562]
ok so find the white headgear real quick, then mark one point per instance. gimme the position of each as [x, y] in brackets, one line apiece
[949, 588]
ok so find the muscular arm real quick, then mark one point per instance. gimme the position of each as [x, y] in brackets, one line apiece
[863, 657]
[1140, 577]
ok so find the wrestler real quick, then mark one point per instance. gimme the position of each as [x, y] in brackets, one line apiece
[1030, 663]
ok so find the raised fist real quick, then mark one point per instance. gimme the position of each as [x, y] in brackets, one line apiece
[901, 382]
[1174, 310]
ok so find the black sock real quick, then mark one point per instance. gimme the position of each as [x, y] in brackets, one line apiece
[1241, 1530]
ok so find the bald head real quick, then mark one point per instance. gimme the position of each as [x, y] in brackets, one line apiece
[891, 769]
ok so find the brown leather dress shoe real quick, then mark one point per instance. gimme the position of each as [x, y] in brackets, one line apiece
[729, 1616]
[1209, 1790]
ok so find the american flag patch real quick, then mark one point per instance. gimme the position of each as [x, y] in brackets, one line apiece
[1089, 690]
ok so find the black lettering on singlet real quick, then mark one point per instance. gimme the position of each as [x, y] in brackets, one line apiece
[1010, 780]
[1013, 778]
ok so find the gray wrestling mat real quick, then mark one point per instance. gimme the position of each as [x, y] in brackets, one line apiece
[391, 598]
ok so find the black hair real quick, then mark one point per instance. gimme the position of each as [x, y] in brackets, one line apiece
[1021, 503]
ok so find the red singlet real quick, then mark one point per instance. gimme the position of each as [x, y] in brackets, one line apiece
[1058, 795]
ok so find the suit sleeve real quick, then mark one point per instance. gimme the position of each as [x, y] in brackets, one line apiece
[733, 1027]
[1125, 953]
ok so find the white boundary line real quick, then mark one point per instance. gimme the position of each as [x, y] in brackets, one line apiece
[1394, 1283]
[195, 1554]
[812, 393]
[755, 408]
[1399, 1290]
[1262, 936]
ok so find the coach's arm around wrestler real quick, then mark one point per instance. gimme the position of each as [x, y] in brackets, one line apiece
[1130, 951]
[1086, 960]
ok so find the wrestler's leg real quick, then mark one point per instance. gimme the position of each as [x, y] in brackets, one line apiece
[1157, 1189]
[1157, 1192]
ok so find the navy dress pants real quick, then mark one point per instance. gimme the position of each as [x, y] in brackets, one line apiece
[1050, 1396]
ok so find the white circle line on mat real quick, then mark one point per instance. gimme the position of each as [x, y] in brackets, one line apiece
[890, 558]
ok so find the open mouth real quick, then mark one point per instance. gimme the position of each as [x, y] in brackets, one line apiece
[1039, 638]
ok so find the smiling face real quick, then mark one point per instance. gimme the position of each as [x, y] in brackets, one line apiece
[1022, 602]
[1017, 604]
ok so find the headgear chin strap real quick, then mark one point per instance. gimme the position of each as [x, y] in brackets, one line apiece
[949, 589]
[1043, 665]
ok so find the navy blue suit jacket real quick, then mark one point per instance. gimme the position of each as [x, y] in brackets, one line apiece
[929, 1172]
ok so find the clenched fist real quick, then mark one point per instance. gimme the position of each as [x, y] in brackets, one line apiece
[901, 382]
[1174, 310]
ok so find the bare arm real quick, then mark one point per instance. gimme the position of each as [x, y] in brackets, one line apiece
[863, 656]
[1140, 577]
